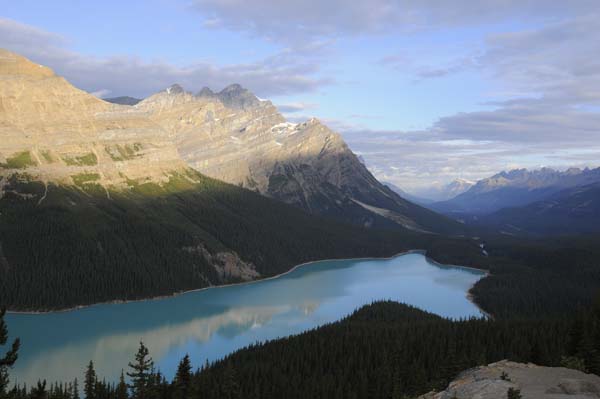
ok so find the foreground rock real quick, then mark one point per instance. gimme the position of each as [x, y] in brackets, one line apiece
[534, 382]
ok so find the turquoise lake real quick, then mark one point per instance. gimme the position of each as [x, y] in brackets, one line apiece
[211, 323]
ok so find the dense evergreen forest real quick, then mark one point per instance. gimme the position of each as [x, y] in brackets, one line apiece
[383, 350]
[81, 245]
[551, 277]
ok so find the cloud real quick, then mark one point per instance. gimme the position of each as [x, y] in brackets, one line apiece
[549, 113]
[295, 20]
[520, 124]
[418, 160]
[403, 63]
[295, 107]
[560, 84]
[555, 61]
[280, 74]
[101, 93]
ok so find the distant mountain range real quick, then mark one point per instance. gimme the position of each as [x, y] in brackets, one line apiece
[573, 210]
[436, 193]
[124, 100]
[515, 188]
[412, 198]
[544, 201]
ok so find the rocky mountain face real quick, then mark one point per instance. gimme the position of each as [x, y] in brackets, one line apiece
[235, 137]
[515, 188]
[55, 132]
[531, 381]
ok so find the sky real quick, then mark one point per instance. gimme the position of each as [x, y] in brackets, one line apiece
[426, 91]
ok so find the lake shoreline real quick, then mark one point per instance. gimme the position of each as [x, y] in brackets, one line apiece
[469, 296]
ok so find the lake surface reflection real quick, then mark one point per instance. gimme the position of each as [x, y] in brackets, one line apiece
[211, 323]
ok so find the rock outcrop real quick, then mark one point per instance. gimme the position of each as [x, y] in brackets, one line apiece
[533, 382]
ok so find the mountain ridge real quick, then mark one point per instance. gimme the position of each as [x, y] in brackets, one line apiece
[574, 210]
[303, 164]
[515, 188]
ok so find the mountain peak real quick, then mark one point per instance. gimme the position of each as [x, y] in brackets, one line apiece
[574, 171]
[205, 92]
[461, 180]
[233, 88]
[237, 97]
[175, 89]
[233, 96]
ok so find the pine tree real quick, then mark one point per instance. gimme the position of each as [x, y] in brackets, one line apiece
[122, 387]
[183, 377]
[10, 357]
[513, 393]
[141, 373]
[231, 388]
[39, 392]
[89, 387]
[75, 391]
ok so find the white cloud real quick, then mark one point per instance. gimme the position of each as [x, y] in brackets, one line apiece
[279, 74]
[296, 107]
[556, 60]
[295, 20]
[102, 93]
[417, 160]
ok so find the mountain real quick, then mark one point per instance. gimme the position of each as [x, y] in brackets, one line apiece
[436, 193]
[235, 137]
[457, 187]
[571, 211]
[233, 96]
[515, 188]
[124, 100]
[98, 201]
[54, 132]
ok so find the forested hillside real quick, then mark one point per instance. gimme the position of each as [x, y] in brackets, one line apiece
[552, 277]
[571, 211]
[63, 246]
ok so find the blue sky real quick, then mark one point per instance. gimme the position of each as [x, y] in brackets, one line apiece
[425, 90]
